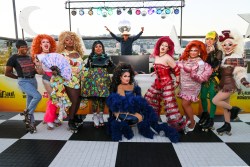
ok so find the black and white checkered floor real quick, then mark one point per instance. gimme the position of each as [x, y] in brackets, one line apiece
[92, 147]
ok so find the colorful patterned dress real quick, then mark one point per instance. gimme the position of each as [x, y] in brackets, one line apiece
[59, 95]
[77, 66]
[96, 81]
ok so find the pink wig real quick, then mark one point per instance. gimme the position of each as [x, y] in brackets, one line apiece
[158, 44]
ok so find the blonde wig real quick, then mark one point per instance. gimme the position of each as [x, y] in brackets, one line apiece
[77, 42]
[236, 38]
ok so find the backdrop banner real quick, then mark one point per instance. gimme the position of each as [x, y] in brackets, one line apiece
[13, 99]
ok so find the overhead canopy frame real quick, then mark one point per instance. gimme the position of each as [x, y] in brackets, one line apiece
[125, 4]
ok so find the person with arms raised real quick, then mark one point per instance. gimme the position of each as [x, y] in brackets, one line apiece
[126, 40]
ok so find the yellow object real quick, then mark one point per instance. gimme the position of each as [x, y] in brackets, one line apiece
[12, 99]
[217, 79]
[211, 34]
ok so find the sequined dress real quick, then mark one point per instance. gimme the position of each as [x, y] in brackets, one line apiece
[190, 79]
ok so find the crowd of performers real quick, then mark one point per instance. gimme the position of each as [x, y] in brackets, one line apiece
[214, 70]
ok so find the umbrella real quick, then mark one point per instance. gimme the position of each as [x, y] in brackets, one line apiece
[59, 61]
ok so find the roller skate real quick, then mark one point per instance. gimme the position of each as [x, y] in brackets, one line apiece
[101, 120]
[209, 125]
[72, 126]
[203, 119]
[225, 128]
[26, 120]
[95, 120]
[32, 128]
[234, 113]
[26, 117]
[78, 121]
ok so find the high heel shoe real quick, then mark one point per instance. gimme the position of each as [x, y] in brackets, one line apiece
[187, 129]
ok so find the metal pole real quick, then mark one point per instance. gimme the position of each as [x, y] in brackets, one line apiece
[69, 16]
[15, 22]
[22, 34]
[181, 23]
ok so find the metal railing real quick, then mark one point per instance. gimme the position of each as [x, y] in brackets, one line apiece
[145, 45]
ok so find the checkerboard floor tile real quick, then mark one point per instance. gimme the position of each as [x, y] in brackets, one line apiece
[92, 147]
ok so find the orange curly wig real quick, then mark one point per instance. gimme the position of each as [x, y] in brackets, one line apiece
[36, 48]
[195, 43]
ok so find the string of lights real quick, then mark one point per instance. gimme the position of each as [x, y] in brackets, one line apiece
[108, 8]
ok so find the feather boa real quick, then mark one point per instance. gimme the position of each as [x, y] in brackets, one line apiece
[132, 104]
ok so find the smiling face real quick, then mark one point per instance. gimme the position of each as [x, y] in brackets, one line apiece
[228, 46]
[125, 78]
[98, 49]
[69, 42]
[22, 50]
[164, 48]
[194, 52]
[45, 45]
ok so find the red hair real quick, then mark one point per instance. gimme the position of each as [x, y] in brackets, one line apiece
[158, 44]
[195, 43]
[36, 48]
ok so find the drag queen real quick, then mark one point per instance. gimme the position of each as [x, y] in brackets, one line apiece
[128, 108]
[97, 81]
[233, 74]
[209, 88]
[69, 45]
[43, 45]
[163, 88]
[194, 71]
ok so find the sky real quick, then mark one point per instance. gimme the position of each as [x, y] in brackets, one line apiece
[199, 17]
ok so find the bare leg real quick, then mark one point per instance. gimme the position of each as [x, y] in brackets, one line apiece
[186, 105]
[222, 100]
[47, 87]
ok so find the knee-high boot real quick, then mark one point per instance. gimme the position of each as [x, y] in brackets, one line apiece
[50, 114]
